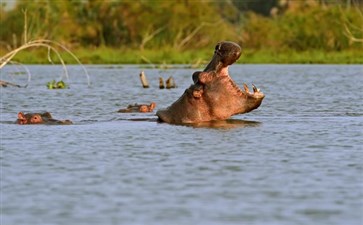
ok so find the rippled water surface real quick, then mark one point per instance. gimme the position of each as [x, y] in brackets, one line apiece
[295, 160]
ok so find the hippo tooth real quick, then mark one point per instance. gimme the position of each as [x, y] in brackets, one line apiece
[255, 89]
[246, 88]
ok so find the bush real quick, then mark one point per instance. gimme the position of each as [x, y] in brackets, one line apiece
[310, 29]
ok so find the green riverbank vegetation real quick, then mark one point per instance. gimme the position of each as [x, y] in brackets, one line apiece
[185, 31]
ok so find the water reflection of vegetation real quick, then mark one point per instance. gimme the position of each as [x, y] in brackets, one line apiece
[306, 31]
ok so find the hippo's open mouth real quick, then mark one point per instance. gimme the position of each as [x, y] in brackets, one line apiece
[214, 95]
[245, 91]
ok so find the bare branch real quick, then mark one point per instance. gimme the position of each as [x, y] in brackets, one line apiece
[349, 27]
[194, 32]
[148, 37]
[349, 35]
[50, 45]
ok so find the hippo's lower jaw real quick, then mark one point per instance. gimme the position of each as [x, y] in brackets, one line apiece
[212, 97]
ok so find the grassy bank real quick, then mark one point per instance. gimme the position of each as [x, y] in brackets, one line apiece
[200, 57]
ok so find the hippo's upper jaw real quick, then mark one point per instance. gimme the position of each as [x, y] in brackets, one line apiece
[214, 95]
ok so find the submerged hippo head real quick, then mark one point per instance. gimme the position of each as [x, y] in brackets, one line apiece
[39, 118]
[143, 108]
[214, 95]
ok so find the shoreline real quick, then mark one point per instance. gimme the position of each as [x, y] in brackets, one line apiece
[193, 58]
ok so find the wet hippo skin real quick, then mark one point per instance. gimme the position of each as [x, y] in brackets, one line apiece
[214, 95]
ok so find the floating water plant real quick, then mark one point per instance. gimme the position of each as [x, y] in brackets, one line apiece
[57, 85]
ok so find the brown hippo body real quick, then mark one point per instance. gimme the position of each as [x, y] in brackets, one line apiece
[39, 118]
[214, 95]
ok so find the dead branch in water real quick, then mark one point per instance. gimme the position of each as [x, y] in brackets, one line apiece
[144, 82]
[52, 46]
[170, 83]
[5, 84]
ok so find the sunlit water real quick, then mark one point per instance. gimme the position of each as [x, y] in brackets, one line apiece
[295, 160]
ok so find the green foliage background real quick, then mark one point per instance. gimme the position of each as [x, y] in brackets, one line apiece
[185, 31]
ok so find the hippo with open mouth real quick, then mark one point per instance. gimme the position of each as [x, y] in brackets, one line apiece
[214, 95]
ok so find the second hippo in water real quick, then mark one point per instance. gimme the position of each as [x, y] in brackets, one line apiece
[143, 108]
[214, 95]
[39, 118]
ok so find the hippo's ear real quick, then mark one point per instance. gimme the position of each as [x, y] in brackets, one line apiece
[195, 76]
[47, 115]
[218, 46]
[21, 116]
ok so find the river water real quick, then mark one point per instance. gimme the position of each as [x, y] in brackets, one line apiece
[295, 160]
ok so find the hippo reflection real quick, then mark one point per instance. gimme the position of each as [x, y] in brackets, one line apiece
[40, 118]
